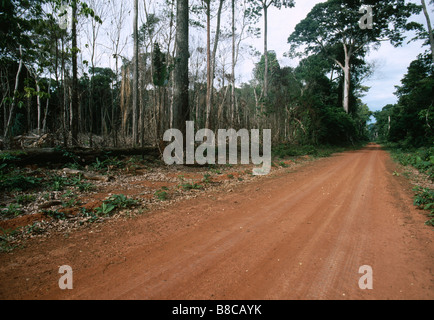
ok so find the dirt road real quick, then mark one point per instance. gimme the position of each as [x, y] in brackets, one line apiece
[298, 235]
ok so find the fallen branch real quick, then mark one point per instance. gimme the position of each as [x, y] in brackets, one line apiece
[86, 175]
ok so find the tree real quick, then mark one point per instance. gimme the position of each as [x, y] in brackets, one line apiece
[260, 7]
[412, 118]
[180, 92]
[135, 131]
[429, 26]
[333, 27]
[211, 55]
[118, 19]
[160, 79]
[18, 20]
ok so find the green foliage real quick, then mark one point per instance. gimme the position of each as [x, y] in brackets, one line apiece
[162, 194]
[79, 184]
[16, 181]
[422, 159]
[424, 200]
[206, 178]
[25, 199]
[287, 150]
[191, 186]
[106, 163]
[54, 214]
[411, 121]
[35, 228]
[114, 202]
[12, 210]
[105, 209]
[161, 74]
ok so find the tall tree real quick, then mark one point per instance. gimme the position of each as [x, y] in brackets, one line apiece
[211, 55]
[74, 90]
[181, 82]
[135, 131]
[429, 26]
[260, 7]
[333, 27]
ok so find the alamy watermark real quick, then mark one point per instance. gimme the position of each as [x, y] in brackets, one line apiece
[174, 153]
[65, 281]
[367, 20]
[64, 17]
[366, 282]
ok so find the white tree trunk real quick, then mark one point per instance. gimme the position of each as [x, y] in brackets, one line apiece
[17, 81]
[430, 31]
[347, 80]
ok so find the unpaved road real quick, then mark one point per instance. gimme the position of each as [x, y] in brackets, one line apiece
[298, 235]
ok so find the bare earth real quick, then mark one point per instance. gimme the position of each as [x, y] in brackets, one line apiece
[298, 235]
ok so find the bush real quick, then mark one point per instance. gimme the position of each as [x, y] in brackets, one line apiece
[424, 200]
[422, 159]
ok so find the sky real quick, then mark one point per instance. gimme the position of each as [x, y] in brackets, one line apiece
[391, 63]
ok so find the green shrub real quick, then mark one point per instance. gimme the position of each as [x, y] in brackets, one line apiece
[115, 202]
[424, 200]
[161, 195]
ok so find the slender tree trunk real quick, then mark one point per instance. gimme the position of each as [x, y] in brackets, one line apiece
[211, 55]
[74, 98]
[265, 51]
[136, 74]
[180, 93]
[347, 80]
[17, 82]
[214, 51]
[38, 103]
[430, 31]
[65, 100]
[232, 111]
[47, 104]
[208, 64]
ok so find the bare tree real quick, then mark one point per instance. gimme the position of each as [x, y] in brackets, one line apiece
[118, 13]
[211, 56]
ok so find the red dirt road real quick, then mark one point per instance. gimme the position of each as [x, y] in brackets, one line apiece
[297, 235]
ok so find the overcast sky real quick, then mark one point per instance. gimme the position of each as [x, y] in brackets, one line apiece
[391, 63]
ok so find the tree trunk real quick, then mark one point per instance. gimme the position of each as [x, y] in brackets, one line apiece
[208, 64]
[232, 111]
[74, 97]
[430, 31]
[17, 82]
[47, 104]
[265, 51]
[214, 51]
[180, 92]
[347, 80]
[38, 103]
[136, 75]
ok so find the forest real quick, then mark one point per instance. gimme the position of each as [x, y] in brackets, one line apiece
[89, 90]
[56, 90]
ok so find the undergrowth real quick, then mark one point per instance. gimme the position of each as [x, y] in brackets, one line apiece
[421, 159]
